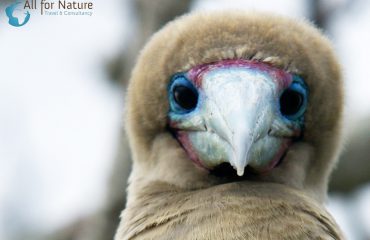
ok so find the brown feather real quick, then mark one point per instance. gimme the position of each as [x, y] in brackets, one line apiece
[170, 198]
[241, 210]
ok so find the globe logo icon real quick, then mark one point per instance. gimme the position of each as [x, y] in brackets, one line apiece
[14, 21]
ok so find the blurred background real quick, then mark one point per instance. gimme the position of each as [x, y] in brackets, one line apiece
[64, 158]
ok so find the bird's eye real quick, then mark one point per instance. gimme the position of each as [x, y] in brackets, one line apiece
[290, 102]
[293, 101]
[183, 95]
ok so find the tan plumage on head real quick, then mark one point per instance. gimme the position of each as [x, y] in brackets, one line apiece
[293, 83]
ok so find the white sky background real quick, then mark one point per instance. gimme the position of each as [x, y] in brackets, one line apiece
[351, 33]
[60, 118]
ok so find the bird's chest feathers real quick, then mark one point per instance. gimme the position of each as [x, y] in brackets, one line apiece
[232, 207]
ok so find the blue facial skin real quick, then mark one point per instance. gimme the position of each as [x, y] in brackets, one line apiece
[299, 86]
[179, 79]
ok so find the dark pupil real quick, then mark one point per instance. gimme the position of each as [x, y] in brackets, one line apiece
[185, 97]
[290, 102]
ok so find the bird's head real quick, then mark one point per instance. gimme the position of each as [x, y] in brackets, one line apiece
[258, 94]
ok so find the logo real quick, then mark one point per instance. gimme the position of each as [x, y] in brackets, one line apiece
[19, 14]
[14, 21]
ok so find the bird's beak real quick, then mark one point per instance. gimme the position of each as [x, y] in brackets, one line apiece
[235, 115]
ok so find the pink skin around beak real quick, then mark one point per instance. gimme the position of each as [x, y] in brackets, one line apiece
[237, 117]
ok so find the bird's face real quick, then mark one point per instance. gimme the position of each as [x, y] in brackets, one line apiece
[241, 112]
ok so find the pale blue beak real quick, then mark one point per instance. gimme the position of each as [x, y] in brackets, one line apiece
[237, 119]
